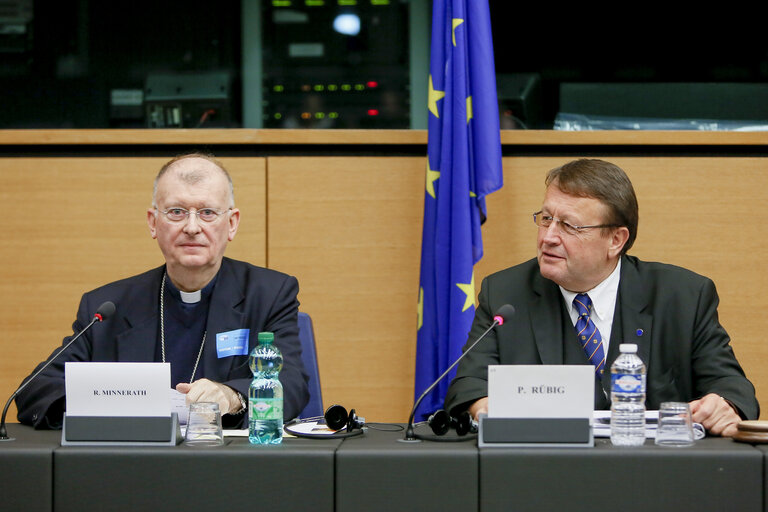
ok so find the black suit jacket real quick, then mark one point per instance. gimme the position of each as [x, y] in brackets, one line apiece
[669, 312]
[245, 297]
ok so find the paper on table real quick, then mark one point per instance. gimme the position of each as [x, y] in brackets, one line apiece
[601, 426]
[179, 406]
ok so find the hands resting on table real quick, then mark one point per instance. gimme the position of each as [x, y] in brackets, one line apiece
[205, 390]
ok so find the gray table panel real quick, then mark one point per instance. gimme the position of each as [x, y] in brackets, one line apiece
[27, 469]
[764, 450]
[299, 475]
[375, 472]
[715, 474]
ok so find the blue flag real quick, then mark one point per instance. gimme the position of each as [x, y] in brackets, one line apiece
[464, 165]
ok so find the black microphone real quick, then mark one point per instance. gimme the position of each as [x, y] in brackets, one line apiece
[105, 311]
[503, 314]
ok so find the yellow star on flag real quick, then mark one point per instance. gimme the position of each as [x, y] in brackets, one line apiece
[433, 97]
[420, 309]
[469, 289]
[432, 177]
[469, 108]
[456, 23]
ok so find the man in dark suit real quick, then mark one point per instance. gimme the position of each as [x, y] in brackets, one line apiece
[187, 311]
[587, 223]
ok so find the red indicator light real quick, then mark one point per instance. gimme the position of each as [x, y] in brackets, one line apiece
[372, 84]
[373, 112]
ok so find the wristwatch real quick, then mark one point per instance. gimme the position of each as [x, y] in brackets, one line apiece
[243, 403]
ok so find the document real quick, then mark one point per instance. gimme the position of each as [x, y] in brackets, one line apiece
[601, 426]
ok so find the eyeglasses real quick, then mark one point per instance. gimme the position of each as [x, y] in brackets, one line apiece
[178, 214]
[544, 221]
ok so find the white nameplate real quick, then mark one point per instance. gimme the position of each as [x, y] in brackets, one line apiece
[118, 389]
[541, 391]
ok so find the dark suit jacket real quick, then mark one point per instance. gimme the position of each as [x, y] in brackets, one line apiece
[669, 312]
[245, 297]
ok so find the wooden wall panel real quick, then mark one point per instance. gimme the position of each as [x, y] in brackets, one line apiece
[350, 230]
[72, 224]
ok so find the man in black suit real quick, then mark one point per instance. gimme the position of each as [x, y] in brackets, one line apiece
[587, 223]
[187, 311]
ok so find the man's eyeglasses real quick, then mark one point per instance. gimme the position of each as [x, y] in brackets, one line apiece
[178, 214]
[544, 221]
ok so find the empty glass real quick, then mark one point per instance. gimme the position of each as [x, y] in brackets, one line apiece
[675, 425]
[204, 425]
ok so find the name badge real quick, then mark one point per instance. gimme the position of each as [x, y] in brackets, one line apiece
[232, 343]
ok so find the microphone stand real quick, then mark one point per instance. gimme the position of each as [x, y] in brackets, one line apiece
[410, 437]
[3, 432]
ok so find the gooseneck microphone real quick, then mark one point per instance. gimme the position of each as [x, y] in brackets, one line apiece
[105, 311]
[503, 314]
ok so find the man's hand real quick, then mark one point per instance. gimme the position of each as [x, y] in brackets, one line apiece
[479, 406]
[717, 415]
[205, 390]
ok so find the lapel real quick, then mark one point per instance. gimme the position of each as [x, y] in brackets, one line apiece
[224, 315]
[636, 325]
[546, 308]
[139, 314]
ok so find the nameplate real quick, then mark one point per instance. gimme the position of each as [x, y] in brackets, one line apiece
[541, 391]
[118, 389]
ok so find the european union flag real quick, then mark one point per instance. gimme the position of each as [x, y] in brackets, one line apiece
[464, 165]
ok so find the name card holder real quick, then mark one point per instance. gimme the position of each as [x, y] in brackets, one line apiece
[121, 431]
[538, 405]
[534, 432]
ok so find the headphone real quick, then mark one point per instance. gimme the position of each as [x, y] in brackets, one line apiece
[440, 422]
[336, 418]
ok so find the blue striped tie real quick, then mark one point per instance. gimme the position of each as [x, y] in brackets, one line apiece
[590, 338]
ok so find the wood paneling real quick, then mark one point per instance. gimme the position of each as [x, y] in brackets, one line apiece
[246, 137]
[72, 224]
[350, 230]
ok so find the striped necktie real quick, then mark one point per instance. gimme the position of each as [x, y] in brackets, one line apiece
[590, 338]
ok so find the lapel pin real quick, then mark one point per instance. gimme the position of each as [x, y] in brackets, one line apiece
[639, 332]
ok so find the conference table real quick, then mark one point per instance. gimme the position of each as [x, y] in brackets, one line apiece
[376, 471]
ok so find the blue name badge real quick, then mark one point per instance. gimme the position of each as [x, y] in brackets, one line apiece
[232, 343]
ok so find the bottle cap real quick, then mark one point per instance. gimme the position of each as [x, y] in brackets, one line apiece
[628, 348]
[266, 337]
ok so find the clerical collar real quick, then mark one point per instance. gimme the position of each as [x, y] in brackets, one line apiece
[191, 297]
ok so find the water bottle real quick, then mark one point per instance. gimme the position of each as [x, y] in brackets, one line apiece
[265, 394]
[628, 398]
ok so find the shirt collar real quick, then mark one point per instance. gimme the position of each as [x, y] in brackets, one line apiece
[603, 295]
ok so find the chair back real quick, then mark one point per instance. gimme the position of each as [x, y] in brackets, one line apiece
[309, 357]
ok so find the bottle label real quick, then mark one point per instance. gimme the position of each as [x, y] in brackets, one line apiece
[266, 409]
[627, 383]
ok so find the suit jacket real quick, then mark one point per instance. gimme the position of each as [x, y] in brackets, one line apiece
[244, 297]
[669, 312]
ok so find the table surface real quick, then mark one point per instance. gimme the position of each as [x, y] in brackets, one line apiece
[377, 471]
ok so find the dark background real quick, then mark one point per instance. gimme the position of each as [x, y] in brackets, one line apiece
[60, 73]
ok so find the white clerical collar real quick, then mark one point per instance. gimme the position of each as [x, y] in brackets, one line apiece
[191, 297]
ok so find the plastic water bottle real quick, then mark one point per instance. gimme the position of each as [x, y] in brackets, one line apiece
[265, 394]
[628, 398]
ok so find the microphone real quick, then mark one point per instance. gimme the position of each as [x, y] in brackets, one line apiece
[106, 310]
[503, 314]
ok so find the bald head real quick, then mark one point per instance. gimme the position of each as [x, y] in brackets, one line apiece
[193, 168]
